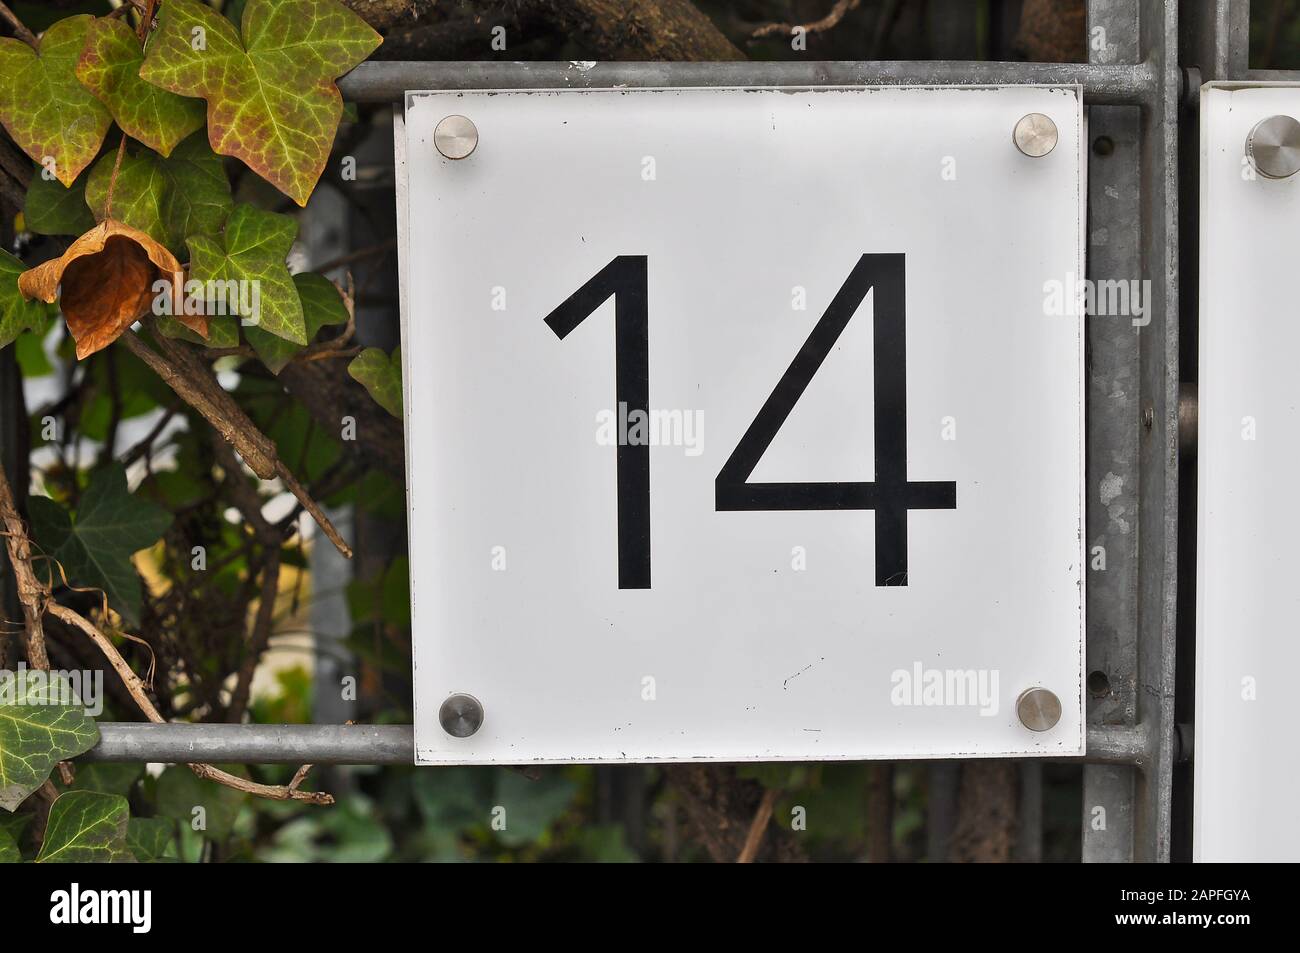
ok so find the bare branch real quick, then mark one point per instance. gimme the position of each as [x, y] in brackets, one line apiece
[194, 383]
[20, 31]
[816, 26]
[30, 591]
[140, 696]
[762, 817]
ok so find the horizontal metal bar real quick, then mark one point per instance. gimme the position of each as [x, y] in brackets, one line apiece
[255, 744]
[1118, 744]
[386, 744]
[380, 81]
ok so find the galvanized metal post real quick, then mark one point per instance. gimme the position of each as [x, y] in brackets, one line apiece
[1158, 446]
[1114, 419]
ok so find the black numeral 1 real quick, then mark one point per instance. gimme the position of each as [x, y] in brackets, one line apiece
[625, 278]
[892, 495]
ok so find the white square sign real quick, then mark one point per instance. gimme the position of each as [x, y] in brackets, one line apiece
[743, 424]
[1247, 460]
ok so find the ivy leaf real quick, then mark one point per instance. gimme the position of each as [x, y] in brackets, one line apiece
[52, 117]
[110, 68]
[251, 253]
[382, 377]
[181, 792]
[321, 305]
[9, 849]
[52, 208]
[271, 96]
[17, 314]
[107, 778]
[95, 546]
[41, 723]
[169, 199]
[86, 828]
[149, 838]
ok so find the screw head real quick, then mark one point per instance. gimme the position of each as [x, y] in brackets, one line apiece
[1039, 709]
[1274, 147]
[461, 715]
[455, 137]
[1035, 135]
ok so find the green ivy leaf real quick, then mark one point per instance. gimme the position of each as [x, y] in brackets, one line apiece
[271, 96]
[37, 731]
[86, 827]
[110, 68]
[52, 208]
[321, 305]
[531, 806]
[95, 548]
[51, 116]
[150, 838]
[169, 199]
[382, 377]
[9, 853]
[17, 314]
[252, 251]
[29, 351]
[180, 791]
[107, 778]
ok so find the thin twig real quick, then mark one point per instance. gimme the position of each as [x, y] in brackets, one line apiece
[277, 792]
[145, 445]
[20, 30]
[359, 255]
[762, 817]
[30, 591]
[817, 26]
[112, 180]
[195, 384]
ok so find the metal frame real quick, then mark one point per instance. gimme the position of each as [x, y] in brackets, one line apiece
[1134, 88]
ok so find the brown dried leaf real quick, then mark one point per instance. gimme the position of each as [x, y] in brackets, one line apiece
[108, 277]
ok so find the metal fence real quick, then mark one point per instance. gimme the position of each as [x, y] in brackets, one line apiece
[1141, 93]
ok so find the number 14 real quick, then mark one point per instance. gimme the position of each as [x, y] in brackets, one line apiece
[891, 494]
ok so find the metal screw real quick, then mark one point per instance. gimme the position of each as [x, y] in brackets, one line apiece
[461, 715]
[1039, 709]
[1035, 135]
[1274, 147]
[455, 137]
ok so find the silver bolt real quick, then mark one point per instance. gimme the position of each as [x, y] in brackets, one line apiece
[455, 137]
[1039, 709]
[461, 715]
[1035, 135]
[1274, 147]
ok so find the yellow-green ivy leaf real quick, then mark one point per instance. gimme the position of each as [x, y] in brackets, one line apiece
[321, 305]
[381, 375]
[42, 722]
[250, 254]
[270, 87]
[110, 68]
[169, 199]
[52, 117]
[86, 828]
